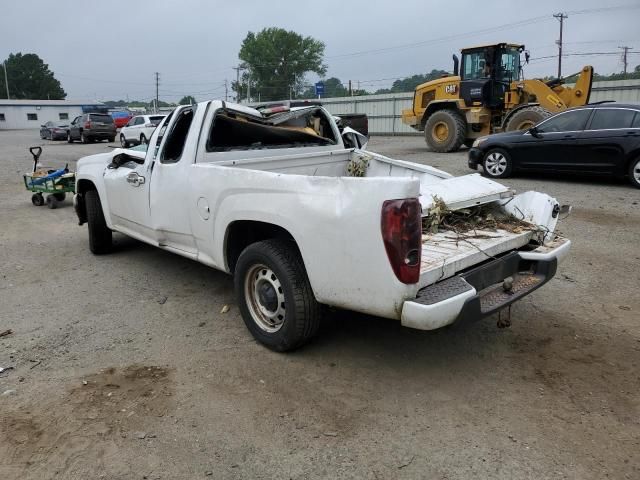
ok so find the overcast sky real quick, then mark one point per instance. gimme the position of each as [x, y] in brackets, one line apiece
[110, 49]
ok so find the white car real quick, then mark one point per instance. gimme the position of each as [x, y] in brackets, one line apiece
[139, 129]
[302, 216]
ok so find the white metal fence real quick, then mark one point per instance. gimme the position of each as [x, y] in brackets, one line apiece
[385, 111]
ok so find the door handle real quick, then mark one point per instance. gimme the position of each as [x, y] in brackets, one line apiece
[134, 179]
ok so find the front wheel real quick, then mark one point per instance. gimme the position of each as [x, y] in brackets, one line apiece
[445, 131]
[100, 237]
[274, 295]
[84, 138]
[497, 163]
[69, 138]
[37, 199]
[123, 141]
[634, 172]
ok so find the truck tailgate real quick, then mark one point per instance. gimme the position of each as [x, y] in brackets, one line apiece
[462, 192]
[446, 253]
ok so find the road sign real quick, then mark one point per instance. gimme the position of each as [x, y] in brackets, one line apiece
[319, 89]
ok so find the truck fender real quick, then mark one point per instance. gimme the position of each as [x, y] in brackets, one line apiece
[506, 118]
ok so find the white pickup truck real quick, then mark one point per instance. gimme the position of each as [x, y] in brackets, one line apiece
[303, 216]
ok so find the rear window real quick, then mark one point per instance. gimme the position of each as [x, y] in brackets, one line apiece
[155, 121]
[607, 118]
[101, 118]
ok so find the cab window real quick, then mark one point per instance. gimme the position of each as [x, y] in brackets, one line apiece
[174, 145]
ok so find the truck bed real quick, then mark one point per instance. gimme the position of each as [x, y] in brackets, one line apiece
[446, 253]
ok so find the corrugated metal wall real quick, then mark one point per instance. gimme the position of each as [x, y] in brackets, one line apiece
[385, 111]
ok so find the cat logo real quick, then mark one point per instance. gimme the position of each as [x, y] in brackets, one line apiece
[451, 88]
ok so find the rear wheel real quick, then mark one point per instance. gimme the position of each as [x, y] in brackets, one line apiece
[60, 196]
[274, 295]
[52, 202]
[112, 139]
[84, 138]
[100, 237]
[69, 138]
[143, 139]
[634, 173]
[123, 141]
[526, 118]
[497, 163]
[445, 131]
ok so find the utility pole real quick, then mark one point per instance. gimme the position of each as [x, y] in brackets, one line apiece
[6, 81]
[350, 91]
[226, 91]
[157, 85]
[624, 56]
[237, 69]
[560, 16]
[249, 87]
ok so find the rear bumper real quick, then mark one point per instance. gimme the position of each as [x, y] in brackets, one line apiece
[480, 292]
[475, 157]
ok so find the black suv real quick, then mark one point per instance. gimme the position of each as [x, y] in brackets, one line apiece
[92, 126]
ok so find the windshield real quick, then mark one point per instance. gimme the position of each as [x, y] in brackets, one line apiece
[101, 118]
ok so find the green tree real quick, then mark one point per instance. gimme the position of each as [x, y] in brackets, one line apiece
[276, 61]
[186, 100]
[30, 79]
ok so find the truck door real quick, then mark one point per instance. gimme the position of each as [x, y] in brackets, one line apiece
[168, 196]
[127, 189]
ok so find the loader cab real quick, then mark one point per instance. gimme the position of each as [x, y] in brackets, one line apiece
[486, 73]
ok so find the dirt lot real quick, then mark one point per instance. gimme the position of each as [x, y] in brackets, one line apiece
[126, 369]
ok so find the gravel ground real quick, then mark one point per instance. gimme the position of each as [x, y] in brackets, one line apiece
[126, 369]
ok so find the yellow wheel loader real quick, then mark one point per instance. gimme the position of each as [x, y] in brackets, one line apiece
[487, 94]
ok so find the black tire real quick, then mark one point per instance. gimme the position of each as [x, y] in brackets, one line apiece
[37, 199]
[294, 298]
[69, 138]
[634, 173]
[469, 143]
[112, 139]
[453, 127]
[497, 163]
[526, 118]
[60, 196]
[52, 202]
[100, 237]
[123, 141]
[143, 139]
[84, 138]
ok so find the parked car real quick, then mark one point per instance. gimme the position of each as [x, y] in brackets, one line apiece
[599, 139]
[92, 126]
[121, 118]
[301, 219]
[54, 130]
[139, 129]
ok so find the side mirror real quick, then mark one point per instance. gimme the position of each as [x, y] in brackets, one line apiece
[353, 139]
[534, 132]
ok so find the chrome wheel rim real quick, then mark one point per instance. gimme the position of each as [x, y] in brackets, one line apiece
[495, 163]
[636, 172]
[265, 298]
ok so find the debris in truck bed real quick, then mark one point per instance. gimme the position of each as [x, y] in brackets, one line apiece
[357, 166]
[482, 217]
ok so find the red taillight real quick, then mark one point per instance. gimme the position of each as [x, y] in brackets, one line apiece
[402, 237]
[87, 124]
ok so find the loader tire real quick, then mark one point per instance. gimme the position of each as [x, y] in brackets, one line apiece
[100, 237]
[526, 118]
[274, 295]
[445, 131]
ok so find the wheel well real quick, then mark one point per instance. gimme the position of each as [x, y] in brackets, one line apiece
[85, 185]
[515, 110]
[435, 106]
[242, 233]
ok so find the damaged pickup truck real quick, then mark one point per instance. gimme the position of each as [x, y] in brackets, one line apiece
[302, 216]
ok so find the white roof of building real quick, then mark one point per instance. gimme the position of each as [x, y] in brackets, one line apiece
[48, 103]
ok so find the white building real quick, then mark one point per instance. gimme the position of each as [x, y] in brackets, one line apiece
[19, 114]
